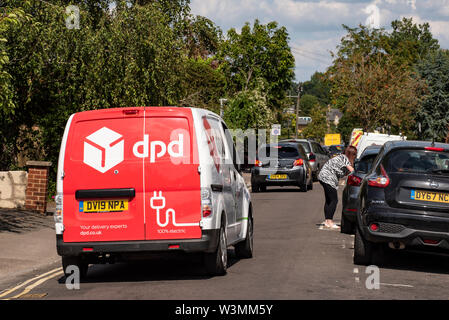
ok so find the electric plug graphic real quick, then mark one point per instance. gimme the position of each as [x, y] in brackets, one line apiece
[157, 202]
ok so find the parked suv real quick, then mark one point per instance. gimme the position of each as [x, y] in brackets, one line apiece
[132, 181]
[404, 201]
[316, 155]
[281, 164]
[351, 191]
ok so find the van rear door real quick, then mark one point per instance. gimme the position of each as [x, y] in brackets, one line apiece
[103, 183]
[172, 177]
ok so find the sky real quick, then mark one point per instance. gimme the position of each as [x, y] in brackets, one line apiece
[315, 26]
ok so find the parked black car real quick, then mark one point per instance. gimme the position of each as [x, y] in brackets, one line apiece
[352, 187]
[404, 201]
[281, 164]
[335, 150]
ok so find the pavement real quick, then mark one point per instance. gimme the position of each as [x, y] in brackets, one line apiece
[27, 243]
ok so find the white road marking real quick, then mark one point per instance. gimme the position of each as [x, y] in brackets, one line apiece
[396, 285]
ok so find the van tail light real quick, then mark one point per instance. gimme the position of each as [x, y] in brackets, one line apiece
[381, 181]
[312, 157]
[298, 162]
[258, 163]
[354, 180]
[58, 216]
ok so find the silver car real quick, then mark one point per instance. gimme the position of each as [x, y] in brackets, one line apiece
[316, 154]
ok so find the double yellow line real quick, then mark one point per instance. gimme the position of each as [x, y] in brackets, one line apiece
[40, 279]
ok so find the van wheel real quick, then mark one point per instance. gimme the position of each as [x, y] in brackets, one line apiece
[244, 249]
[217, 262]
[77, 262]
[263, 188]
[363, 249]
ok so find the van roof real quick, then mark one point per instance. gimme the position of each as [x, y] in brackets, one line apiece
[121, 111]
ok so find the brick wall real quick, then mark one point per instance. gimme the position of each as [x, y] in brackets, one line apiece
[37, 186]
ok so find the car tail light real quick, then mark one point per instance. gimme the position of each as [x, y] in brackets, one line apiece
[430, 241]
[434, 149]
[374, 227]
[382, 181]
[298, 162]
[206, 202]
[354, 180]
[258, 163]
[207, 210]
[312, 157]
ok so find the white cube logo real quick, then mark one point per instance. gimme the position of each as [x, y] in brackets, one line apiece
[104, 149]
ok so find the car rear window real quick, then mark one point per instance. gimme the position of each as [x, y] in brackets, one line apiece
[306, 146]
[417, 161]
[364, 165]
[283, 152]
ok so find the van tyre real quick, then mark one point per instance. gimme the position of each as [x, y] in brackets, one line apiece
[216, 263]
[363, 249]
[244, 249]
[74, 261]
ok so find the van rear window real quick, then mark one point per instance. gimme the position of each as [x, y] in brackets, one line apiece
[417, 161]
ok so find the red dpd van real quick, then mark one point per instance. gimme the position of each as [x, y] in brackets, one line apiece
[148, 179]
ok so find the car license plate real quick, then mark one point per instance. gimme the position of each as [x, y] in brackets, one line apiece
[429, 196]
[103, 206]
[277, 177]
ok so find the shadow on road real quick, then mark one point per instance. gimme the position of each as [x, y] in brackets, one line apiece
[19, 221]
[281, 189]
[155, 268]
[414, 261]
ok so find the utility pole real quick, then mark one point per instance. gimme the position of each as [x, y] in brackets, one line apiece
[221, 106]
[297, 108]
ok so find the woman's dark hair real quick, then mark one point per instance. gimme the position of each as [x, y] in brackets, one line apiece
[351, 153]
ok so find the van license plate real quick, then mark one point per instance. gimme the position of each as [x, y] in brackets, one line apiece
[277, 177]
[429, 196]
[103, 206]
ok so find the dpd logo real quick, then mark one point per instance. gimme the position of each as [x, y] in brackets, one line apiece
[104, 149]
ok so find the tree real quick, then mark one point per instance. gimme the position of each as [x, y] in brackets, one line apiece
[317, 129]
[318, 86]
[260, 52]
[433, 113]
[307, 103]
[203, 84]
[377, 91]
[249, 109]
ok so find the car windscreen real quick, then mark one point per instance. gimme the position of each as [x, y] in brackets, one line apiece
[365, 163]
[417, 161]
[282, 152]
[335, 148]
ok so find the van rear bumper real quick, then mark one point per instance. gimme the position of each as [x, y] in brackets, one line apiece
[207, 243]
